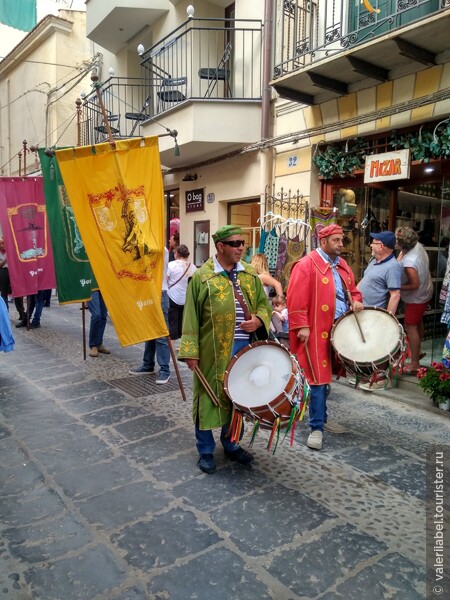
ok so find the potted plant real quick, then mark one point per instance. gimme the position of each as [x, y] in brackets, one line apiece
[435, 380]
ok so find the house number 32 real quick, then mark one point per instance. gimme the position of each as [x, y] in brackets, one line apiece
[292, 161]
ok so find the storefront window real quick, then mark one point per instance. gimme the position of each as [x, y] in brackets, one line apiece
[246, 215]
[425, 207]
[201, 242]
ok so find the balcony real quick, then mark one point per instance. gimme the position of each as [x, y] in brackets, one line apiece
[113, 23]
[328, 49]
[203, 80]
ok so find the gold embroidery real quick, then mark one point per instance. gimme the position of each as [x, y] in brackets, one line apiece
[325, 307]
[325, 280]
[324, 335]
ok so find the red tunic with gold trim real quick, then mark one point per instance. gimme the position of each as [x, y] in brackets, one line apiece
[311, 300]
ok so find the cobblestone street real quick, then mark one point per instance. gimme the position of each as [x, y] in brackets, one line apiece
[101, 497]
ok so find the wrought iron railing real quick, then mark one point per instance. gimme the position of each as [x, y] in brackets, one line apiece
[126, 107]
[204, 59]
[310, 30]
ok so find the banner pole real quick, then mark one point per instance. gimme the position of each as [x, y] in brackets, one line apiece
[175, 366]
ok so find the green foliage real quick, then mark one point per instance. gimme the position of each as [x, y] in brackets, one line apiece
[425, 145]
[335, 161]
[435, 381]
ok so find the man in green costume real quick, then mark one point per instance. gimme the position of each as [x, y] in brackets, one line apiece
[225, 308]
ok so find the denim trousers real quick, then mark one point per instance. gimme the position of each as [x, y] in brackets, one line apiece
[205, 437]
[36, 304]
[160, 347]
[318, 407]
[99, 313]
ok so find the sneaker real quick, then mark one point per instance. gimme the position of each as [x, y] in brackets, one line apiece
[141, 371]
[35, 325]
[93, 352]
[206, 463]
[376, 385]
[103, 350]
[163, 378]
[240, 455]
[314, 440]
[334, 427]
[21, 323]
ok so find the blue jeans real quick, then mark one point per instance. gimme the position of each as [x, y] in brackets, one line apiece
[318, 407]
[160, 347]
[36, 305]
[99, 313]
[205, 437]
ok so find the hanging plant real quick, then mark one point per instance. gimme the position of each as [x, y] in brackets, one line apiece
[425, 145]
[341, 161]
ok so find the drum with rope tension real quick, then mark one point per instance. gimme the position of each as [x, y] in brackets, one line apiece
[266, 384]
[381, 354]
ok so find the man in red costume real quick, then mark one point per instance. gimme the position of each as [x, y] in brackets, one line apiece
[318, 294]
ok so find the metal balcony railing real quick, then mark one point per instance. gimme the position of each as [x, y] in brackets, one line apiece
[204, 59]
[311, 30]
[126, 106]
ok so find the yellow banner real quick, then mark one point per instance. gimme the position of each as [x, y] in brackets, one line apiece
[117, 198]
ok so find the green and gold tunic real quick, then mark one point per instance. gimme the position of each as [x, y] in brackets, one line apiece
[208, 333]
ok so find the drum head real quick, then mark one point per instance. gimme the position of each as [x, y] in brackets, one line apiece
[381, 331]
[258, 374]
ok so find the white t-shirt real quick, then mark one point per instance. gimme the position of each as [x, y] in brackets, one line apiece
[175, 269]
[417, 258]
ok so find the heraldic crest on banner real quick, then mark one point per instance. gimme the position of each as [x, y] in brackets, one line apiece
[122, 213]
[74, 244]
[28, 225]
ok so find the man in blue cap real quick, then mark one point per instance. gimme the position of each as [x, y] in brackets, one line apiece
[382, 279]
[380, 286]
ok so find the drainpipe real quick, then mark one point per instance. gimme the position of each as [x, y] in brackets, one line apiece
[266, 160]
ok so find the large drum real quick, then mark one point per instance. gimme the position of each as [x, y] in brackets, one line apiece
[265, 382]
[384, 347]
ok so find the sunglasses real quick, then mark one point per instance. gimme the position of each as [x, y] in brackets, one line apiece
[234, 243]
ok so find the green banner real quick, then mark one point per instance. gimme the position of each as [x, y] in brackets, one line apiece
[74, 277]
[19, 14]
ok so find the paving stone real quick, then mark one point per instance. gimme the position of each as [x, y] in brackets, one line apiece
[64, 377]
[394, 576]
[134, 593]
[218, 574]
[372, 457]
[88, 388]
[143, 427]
[116, 507]
[86, 405]
[73, 455]
[11, 453]
[116, 414]
[49, 417]
[19, 478]
[270, 518]
[48, 372]
[206, 493]
[162, 540]
[39, 503]
[57, 438]
[178, 468]
[94, 571]
[4, 432]
[49, 540]
[152, 448]
[91, 480]
[311, 568]
[408, 477]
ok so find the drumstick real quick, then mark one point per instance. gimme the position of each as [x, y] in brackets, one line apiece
[310, 363]
[207, 387]
[350, 299]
